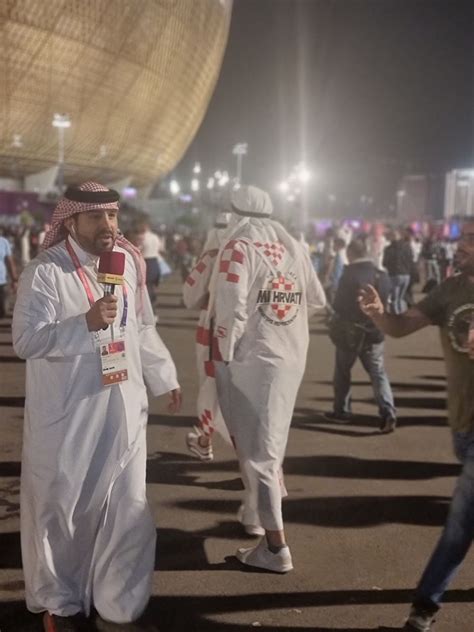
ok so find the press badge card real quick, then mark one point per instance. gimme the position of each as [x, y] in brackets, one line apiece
[114, 362]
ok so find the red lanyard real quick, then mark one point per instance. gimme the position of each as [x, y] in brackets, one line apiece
[87, 287]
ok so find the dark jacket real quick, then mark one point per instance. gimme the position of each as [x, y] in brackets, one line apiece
[355, 276]
[398, 258]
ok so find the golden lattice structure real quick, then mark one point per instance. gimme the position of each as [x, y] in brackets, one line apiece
[134, 77]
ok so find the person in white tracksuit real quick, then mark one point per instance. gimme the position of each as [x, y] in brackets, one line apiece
[196, 295]
[88, 537]
[261, 294]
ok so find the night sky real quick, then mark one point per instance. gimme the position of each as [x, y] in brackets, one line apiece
[363, 90]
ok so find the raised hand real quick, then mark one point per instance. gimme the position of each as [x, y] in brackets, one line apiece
[102, 313]
[370, 302]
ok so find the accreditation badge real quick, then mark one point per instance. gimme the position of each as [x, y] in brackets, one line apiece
[113, 359]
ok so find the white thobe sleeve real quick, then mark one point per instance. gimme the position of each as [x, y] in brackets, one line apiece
[37, 332]
[196, 286]
[158, 368]
[232, 288]
[315, 294]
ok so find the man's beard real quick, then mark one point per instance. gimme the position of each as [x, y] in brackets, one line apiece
[104, 242]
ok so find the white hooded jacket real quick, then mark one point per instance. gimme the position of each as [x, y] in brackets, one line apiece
[261, 294]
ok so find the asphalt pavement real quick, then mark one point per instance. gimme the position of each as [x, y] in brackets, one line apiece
[363, 514]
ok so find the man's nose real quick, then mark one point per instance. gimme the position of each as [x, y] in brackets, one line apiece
[106, 222]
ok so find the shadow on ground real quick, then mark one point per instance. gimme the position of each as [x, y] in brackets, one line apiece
[345, 512]
[180, 469]
[359, 425]
[403, 386]
[420, 357]
[184, 550]
[426, 403]
[195, 613]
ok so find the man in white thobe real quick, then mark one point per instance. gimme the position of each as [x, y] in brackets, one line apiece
[88, 537]
[263, 288]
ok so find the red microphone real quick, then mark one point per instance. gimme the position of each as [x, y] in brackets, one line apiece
[111, 269]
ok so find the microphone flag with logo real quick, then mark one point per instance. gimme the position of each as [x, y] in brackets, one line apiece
[111, 269]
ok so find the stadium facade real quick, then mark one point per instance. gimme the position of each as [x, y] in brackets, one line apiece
[133, 78]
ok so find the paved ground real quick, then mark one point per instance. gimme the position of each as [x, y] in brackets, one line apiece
[363, 513]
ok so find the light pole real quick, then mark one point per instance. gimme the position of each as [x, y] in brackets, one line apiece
[174, 187]
[294, 188]
[61, 122]
[174, 190]
[303, 176]
[240, 150]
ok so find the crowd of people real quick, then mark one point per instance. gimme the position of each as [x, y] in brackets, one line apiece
[88, 539]
[248, 279]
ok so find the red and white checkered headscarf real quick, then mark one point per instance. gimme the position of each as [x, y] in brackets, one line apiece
[67, 207]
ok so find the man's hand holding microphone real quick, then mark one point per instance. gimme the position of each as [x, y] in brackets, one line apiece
[110, 273]
[102, 313]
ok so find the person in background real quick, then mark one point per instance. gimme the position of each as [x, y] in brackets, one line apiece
[450, 306]
[376, 244]
[7, 270]
[448, 249]
[25, 245]
[398, 261]
[151, 247]
[196, 295]
[346, 233]
[431, 255]
[415, 246]
[359, 338]
[336, 268]
[260, 298]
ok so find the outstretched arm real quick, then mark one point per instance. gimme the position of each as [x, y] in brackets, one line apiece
[396, 325]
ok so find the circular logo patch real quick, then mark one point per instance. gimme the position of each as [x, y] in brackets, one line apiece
[280, 301]
[458, 327]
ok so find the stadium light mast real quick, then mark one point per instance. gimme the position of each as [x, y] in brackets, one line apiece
[240, 150]
[61, 122]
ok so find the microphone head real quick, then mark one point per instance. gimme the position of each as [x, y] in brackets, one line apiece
[111, 267]
[111, 262]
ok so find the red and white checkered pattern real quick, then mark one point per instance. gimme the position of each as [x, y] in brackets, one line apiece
[204, 337]
[231, 259]
[274, 251]
[283, 285]
[206, 422]
[201, 266]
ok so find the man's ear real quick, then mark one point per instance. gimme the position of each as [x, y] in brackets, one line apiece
[70, 225]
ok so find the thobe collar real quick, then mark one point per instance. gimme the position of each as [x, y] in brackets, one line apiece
[85, 258]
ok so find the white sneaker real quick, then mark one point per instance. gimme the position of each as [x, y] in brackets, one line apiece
[192, 441]
[261, 557]
[250, 529]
